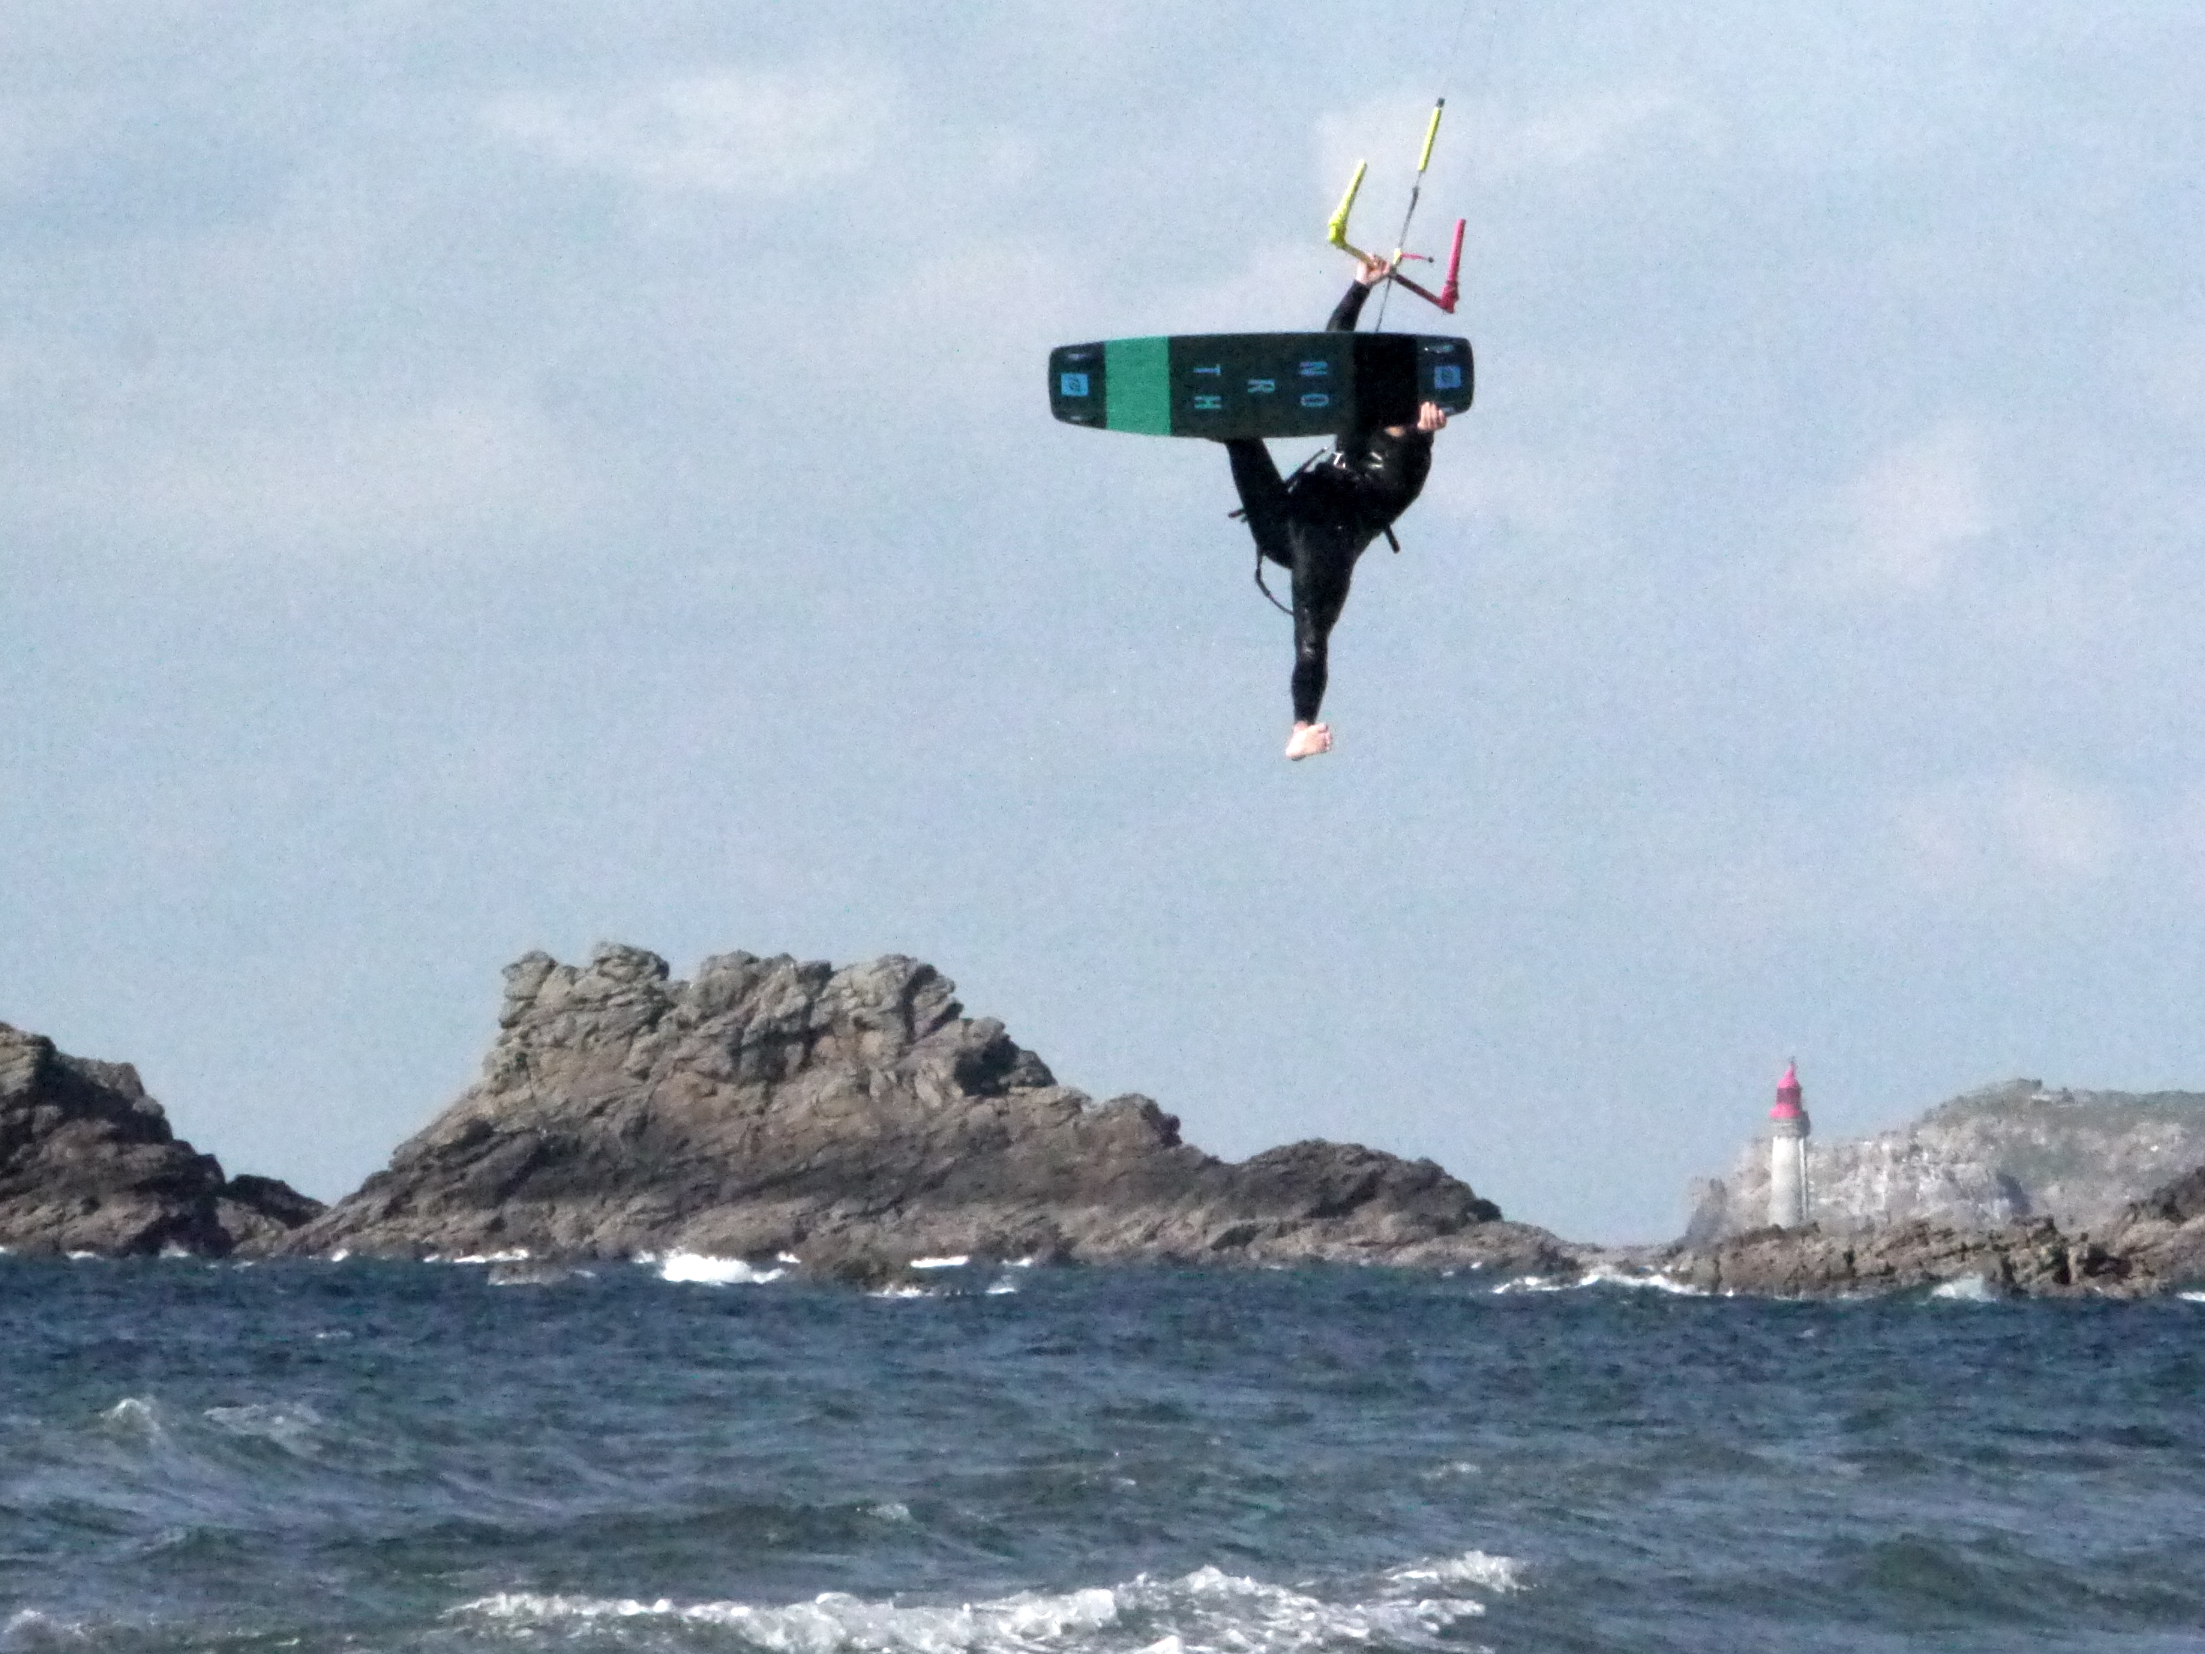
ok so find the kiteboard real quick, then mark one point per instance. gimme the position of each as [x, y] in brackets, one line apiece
[1258, 384]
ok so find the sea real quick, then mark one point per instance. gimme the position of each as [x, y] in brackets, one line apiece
[685, 1454]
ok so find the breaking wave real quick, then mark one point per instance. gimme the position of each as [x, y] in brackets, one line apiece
[1601, 1274]
[695, 1269]
[1968, 1289]
[1208, 1609]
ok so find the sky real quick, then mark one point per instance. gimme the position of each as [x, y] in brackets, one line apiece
[517, 476]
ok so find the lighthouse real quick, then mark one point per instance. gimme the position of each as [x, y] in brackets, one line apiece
[1788, 1194]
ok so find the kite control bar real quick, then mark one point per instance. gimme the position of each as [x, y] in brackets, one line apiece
[1336, 230]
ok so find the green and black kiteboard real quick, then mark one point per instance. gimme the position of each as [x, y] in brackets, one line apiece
[1258, 384]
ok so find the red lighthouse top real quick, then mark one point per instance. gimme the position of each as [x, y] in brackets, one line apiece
[1787, 1096]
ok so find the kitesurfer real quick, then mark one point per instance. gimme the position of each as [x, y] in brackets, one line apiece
[1318, 522]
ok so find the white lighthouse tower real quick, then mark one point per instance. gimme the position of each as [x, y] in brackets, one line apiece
[1788, 1192]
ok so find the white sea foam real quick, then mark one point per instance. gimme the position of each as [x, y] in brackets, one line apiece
[1001, 1285]
[1602, 1274]
[958, 1262]
[289, 1427]
[1453, 1467]
[28, 1628]
[828, 1623]
[1208, 1609]
[2191, 1297]
[1968, 1289]
[133, 1417]
[1498, 1574]
[519, 1254]
[1531, 1283]
[695, 1269]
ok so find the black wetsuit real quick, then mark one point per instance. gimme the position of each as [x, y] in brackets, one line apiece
[1319, 522]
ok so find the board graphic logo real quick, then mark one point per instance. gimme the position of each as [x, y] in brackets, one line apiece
[1071, 384]
[1209, 404]
[1262, 387]
[1447, 376]
[1316, 370]
[1316, 399]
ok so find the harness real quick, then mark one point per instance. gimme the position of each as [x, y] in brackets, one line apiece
[1323, 456]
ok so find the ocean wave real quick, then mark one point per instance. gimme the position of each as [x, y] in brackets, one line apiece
[1207, 1610]
[534, 1274]
[1498, 1574]
[1452, 1468]
[1968, 1289]
[135, 1418]
[829, 1622]
[1601, 1274]
[291, 1428]
[28, 1628]
[957, 1262]
[695, 1269]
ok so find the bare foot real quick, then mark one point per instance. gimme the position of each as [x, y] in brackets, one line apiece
[1308, 740]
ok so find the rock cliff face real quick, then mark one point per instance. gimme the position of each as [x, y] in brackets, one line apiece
[769, 1106]
[1991, 1159]
[2151, 1246]
[88, 1164]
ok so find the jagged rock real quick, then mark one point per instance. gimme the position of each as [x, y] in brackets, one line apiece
[2033, 1258]
[768, 1105]
[1988, 1160]
[2154, 1245]
[88, 1164]
[2161, 1238]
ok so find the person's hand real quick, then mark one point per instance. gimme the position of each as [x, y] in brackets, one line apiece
[1431, 417]
[1373, 271]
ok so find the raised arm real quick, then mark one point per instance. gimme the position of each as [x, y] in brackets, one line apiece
[1350, 308]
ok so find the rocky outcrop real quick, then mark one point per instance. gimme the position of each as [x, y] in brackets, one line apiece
[2034, 1259]
[2151, 1246]
[88, 1164]
[768, 1106]
[1992, 1159]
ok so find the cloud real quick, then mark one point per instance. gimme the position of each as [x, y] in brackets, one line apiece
[454, 473]
[1912, 514]
[1523, 490]
[1581, 130]
[729, 131]
[1567, 135]
[2170, 364]
[2025, 827]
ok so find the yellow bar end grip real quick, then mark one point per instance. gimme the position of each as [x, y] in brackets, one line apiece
[1431, 135]
[1336, 230]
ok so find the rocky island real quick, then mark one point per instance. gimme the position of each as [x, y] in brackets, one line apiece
[2005, 1155]
[88, 1164]
[855, 1119]
[2016, 1187]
